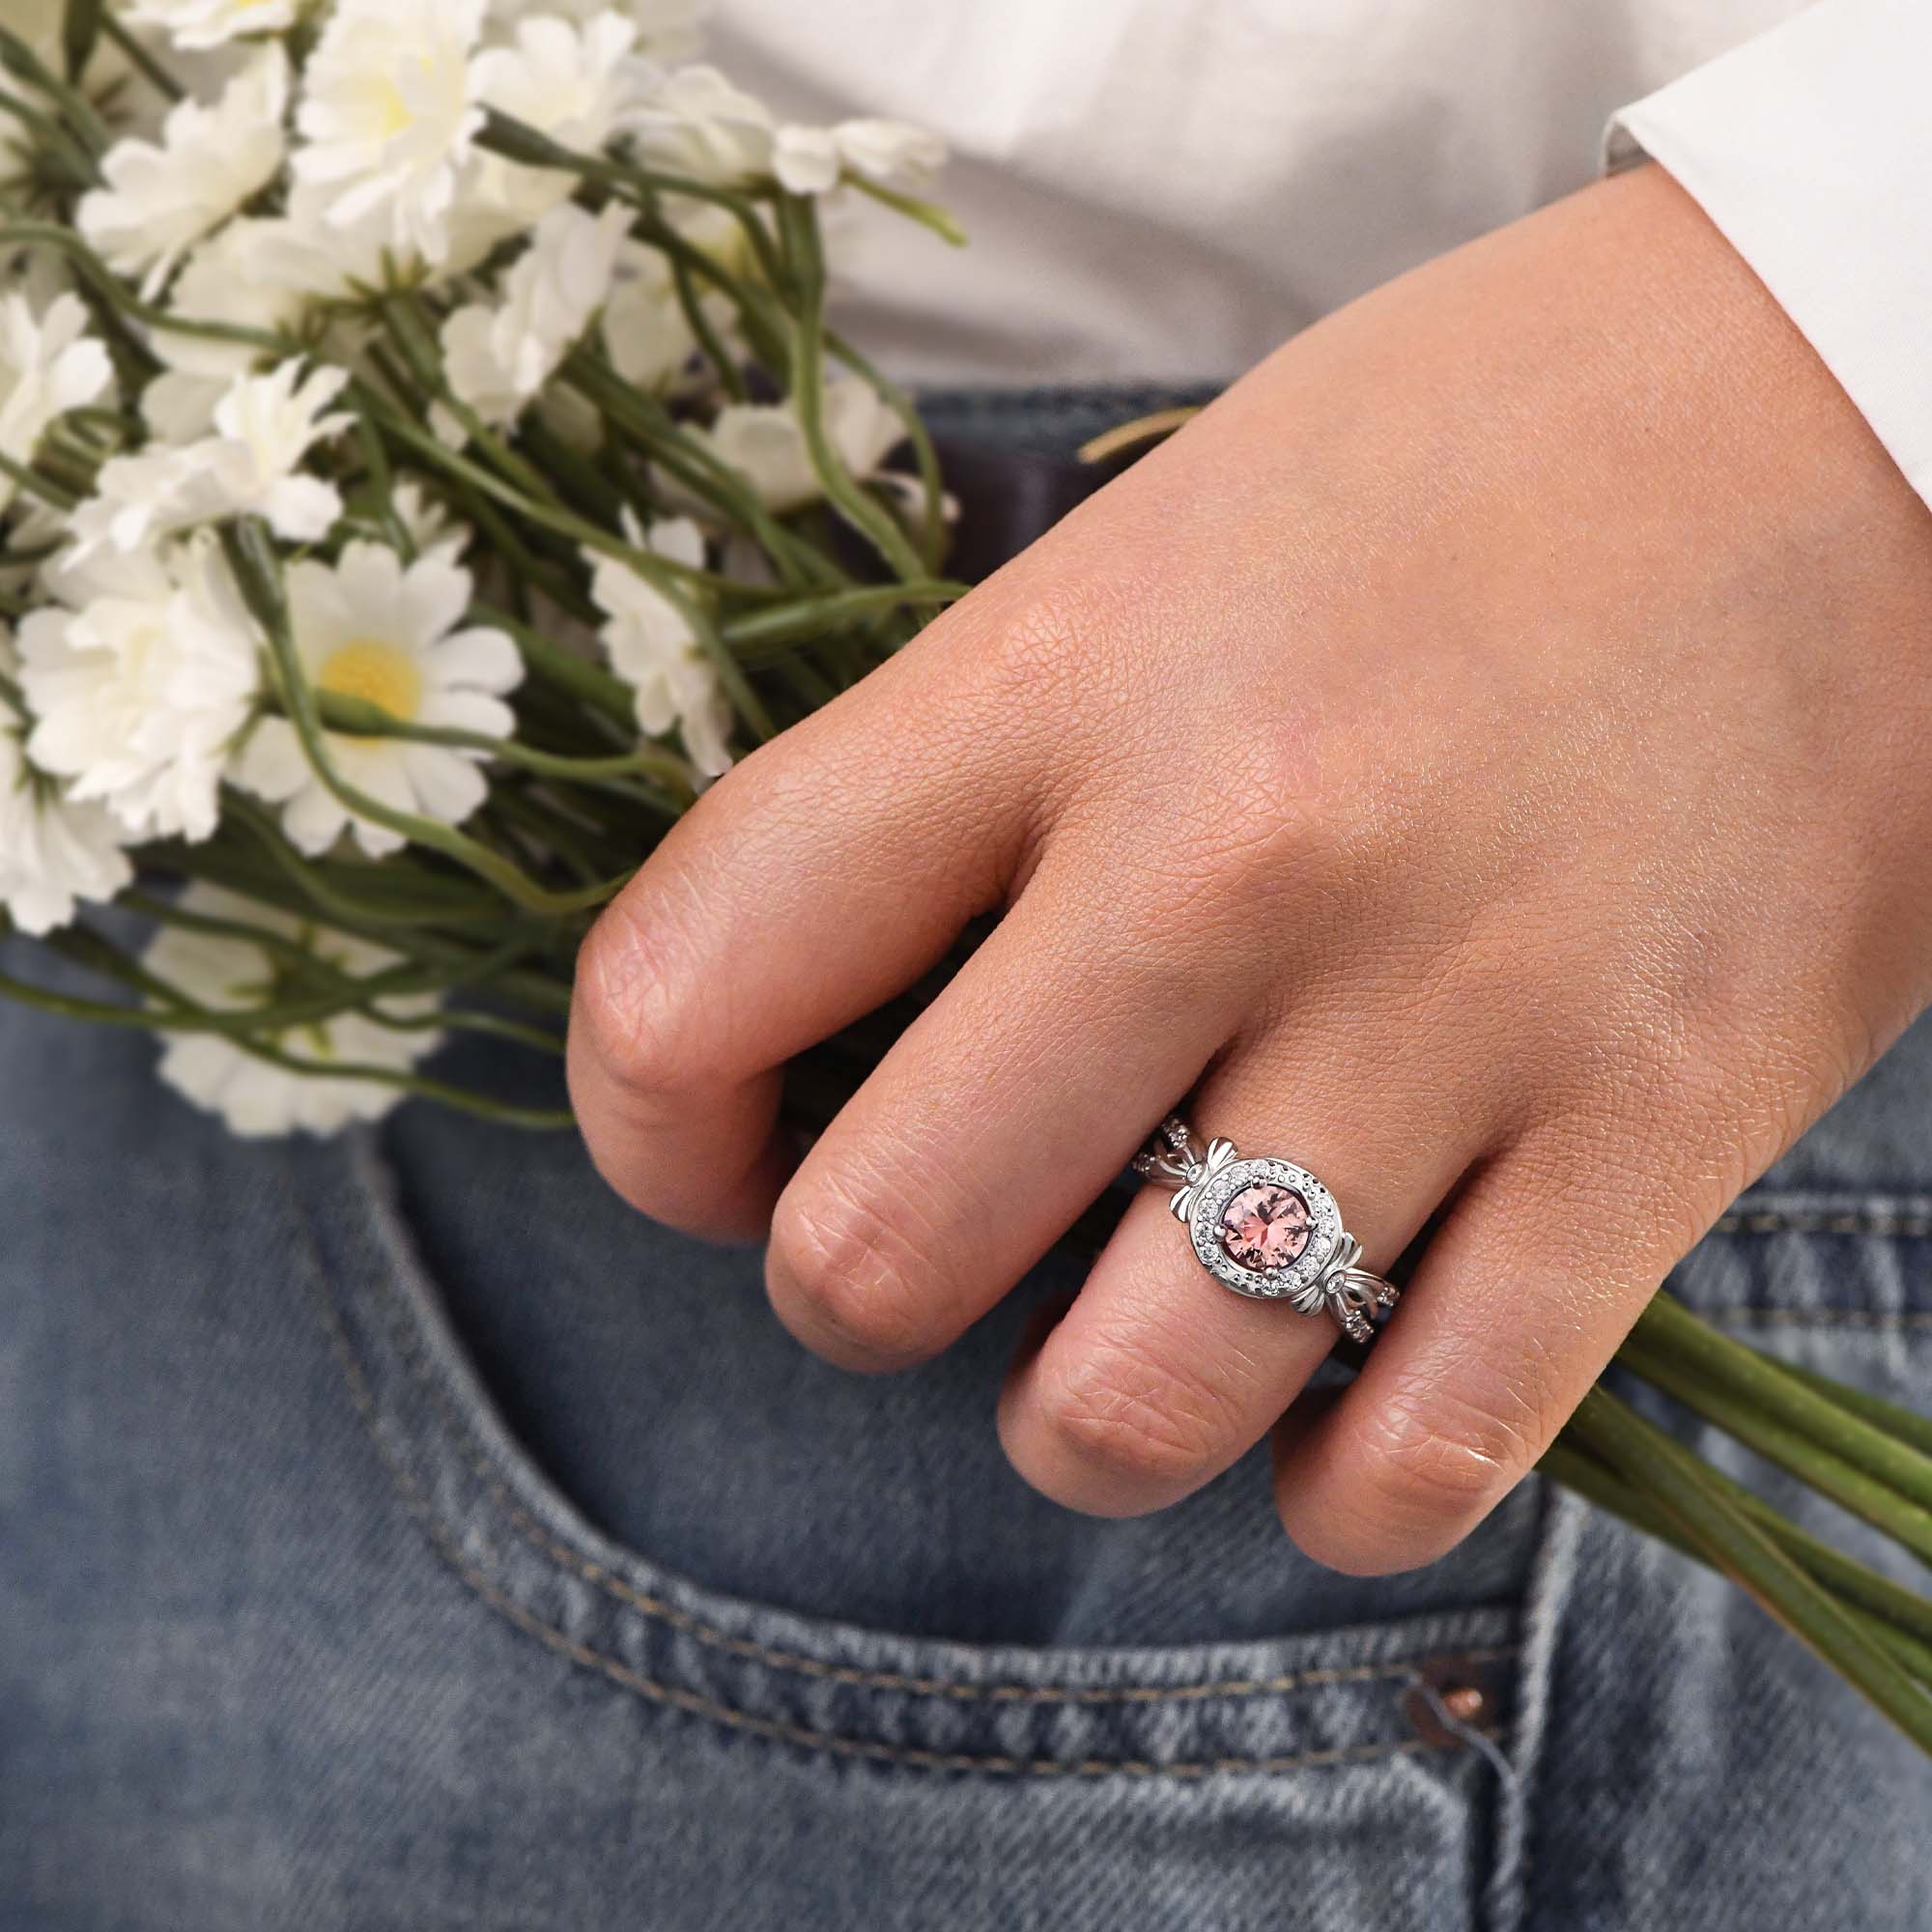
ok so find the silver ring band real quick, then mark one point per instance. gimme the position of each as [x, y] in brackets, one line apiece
[1266, 1227]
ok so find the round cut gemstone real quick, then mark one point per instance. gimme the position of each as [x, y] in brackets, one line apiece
[1264, 1227]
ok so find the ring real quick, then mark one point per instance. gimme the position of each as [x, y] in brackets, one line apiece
[1268, 1229]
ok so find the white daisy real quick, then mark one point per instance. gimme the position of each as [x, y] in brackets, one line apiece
[139, 679]
[221, 281]
[48, 365]
[370, 627]
[265, 426]
[163, 198]
[212, 23]
[53, 851]
[571, 81]
[696, 124]
[390, 114]
[647, 334]
[257, 1098]
[765, 443]
[667, 29]
[653, 648]
[431, 527]
[499, 356]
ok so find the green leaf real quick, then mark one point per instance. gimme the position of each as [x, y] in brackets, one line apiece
[80, 29]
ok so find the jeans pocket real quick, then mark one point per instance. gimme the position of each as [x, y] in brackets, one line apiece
[801, 1770]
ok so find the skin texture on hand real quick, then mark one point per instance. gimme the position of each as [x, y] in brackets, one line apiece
[1481, 760]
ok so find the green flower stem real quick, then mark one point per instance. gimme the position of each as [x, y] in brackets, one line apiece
[1857, 1582]
[503, 134]
[668, 578]
[927, 213]
[1904, 1424]
[37, 485]
[798, 224]
[649, 425]
[588, 683]
[758, 632]
[590, 492]
[140, 59]
[57, 145]
[1670, 1330]
[1564, 1463]
[303, 960]
[1739, 1416]
[406, 895]
[721, 359]
[1654, 1462]
[762, 318]
[358, 718]
[76, 110]
[545, 1119]
[258, 572]
[112, 290]
[299, 888]
[410, 330]
[935, 539]
[83, 949]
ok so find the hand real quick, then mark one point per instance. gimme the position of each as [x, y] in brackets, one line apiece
[1486, 755]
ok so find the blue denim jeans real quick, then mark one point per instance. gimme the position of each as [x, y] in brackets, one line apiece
[397, 1533]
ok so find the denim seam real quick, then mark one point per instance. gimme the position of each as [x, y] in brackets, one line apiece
[673, 1697]
[1887, 1320]
[659, 1609]
[1551, 1581]
[1885, 1222]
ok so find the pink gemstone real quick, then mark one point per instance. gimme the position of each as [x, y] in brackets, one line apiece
[1264, 1227]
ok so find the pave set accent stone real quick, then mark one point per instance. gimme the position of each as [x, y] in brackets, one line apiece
[1264, 1227]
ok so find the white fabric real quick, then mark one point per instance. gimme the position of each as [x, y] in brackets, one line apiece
[1167, 189]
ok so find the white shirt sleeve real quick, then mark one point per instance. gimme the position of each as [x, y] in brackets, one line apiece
[1810, 148]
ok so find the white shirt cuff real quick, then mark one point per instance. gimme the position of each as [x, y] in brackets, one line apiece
[1810, 148]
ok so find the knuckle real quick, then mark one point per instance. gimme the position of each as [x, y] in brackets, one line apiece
[1135, 1425]
[846, 1278]
[629, 1002]
[1429, 1462]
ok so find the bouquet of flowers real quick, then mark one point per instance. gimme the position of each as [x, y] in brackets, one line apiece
[424, 464]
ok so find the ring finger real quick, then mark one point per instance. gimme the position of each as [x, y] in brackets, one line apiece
[1158, 1377]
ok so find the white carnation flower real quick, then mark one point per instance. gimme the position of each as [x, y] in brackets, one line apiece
[163, 198]
[255, 1096]
[55, 852]
[139, 679]
[498, 357]
[765, 443]
[263, 428]
[696, 124]
[390, 115]
[372, 628]
[212, 23]
[653, 648]
[48, 365]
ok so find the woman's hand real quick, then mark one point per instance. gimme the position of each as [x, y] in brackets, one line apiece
[1486, 755]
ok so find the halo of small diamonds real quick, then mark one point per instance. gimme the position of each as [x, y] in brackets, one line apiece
[1296, 1280]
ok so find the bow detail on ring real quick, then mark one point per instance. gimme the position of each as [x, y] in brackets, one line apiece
[1220, 1155]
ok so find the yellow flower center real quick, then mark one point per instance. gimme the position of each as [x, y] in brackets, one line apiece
[378, 673]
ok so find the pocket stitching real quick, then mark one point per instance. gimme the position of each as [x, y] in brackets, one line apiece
[660, 1611]
[692, 1704]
